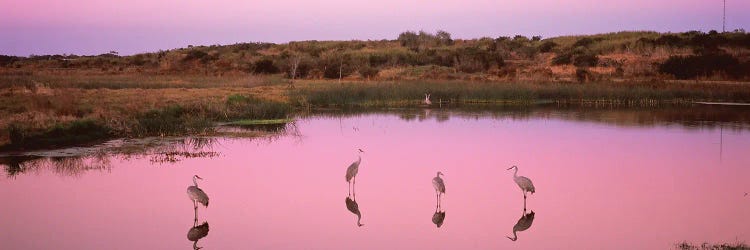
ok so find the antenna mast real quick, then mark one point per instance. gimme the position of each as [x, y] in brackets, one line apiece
[724, 18]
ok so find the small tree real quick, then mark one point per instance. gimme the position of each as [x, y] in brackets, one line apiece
[409, 39]
[444, 38]
[294, 58]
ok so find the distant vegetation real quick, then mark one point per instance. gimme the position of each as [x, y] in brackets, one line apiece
[420, 55]
[57, 100]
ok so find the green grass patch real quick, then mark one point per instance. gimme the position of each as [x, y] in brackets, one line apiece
[412, 93]
[250, 122]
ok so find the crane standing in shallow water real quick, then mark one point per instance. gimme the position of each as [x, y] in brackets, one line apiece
[352, 170]
[439, 185]
[439, 216]
[523, 183]
[196, 194]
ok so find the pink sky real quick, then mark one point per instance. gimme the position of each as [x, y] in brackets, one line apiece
[93, 27]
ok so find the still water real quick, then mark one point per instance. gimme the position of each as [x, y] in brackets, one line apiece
[604, 179]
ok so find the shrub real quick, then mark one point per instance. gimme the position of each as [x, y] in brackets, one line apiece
[198, 55]
[690, 67]
[62, 134]
[265, 66]
[582, 74]
[16, 133]
[563, 58]
[583, 42]
[580, 57]
[409, 39]
[8, 60]
[547, 46]
[248, 107]
[444, 38]
[368, 72]
[377, 60]
[164, 121]
[332, 71]
[586, 60]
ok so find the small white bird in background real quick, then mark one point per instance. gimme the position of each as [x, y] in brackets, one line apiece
[523, 182]
[196, 194]
[427, 99]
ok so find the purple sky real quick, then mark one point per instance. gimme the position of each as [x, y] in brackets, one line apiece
[94, 26]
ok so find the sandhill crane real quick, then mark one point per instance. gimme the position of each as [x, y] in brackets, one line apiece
[523, 183]
[439, 216]
[353, 207]
[523, 223]
[196, 194]
[427, 99]
[439, 186]
[352, 170]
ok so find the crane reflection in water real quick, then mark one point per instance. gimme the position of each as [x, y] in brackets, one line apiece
[439, 216]
[524, 223]
[197, 195]
[197, 232]
[351, 198]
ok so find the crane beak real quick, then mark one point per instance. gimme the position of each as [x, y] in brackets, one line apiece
[510, 168]
[198, 177]
[360, 150]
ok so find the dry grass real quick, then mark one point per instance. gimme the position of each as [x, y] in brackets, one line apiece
[51, 100]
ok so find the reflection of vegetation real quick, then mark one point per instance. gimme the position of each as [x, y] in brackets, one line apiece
[75, 161]
[707, 246]
[15, 165]
[695, 116]
[66, 166]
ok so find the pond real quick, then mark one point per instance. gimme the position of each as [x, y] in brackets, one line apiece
[603, 178]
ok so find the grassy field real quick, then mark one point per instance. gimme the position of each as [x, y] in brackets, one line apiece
[46, 111]
[68, 112]
[58, 100]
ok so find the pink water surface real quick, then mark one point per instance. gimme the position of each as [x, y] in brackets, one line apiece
[598, 186]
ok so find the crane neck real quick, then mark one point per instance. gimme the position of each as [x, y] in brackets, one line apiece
[515, 172]
[359, 218]
[515, 237]
[195, 182]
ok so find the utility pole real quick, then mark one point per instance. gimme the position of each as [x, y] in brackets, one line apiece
[724, 18]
